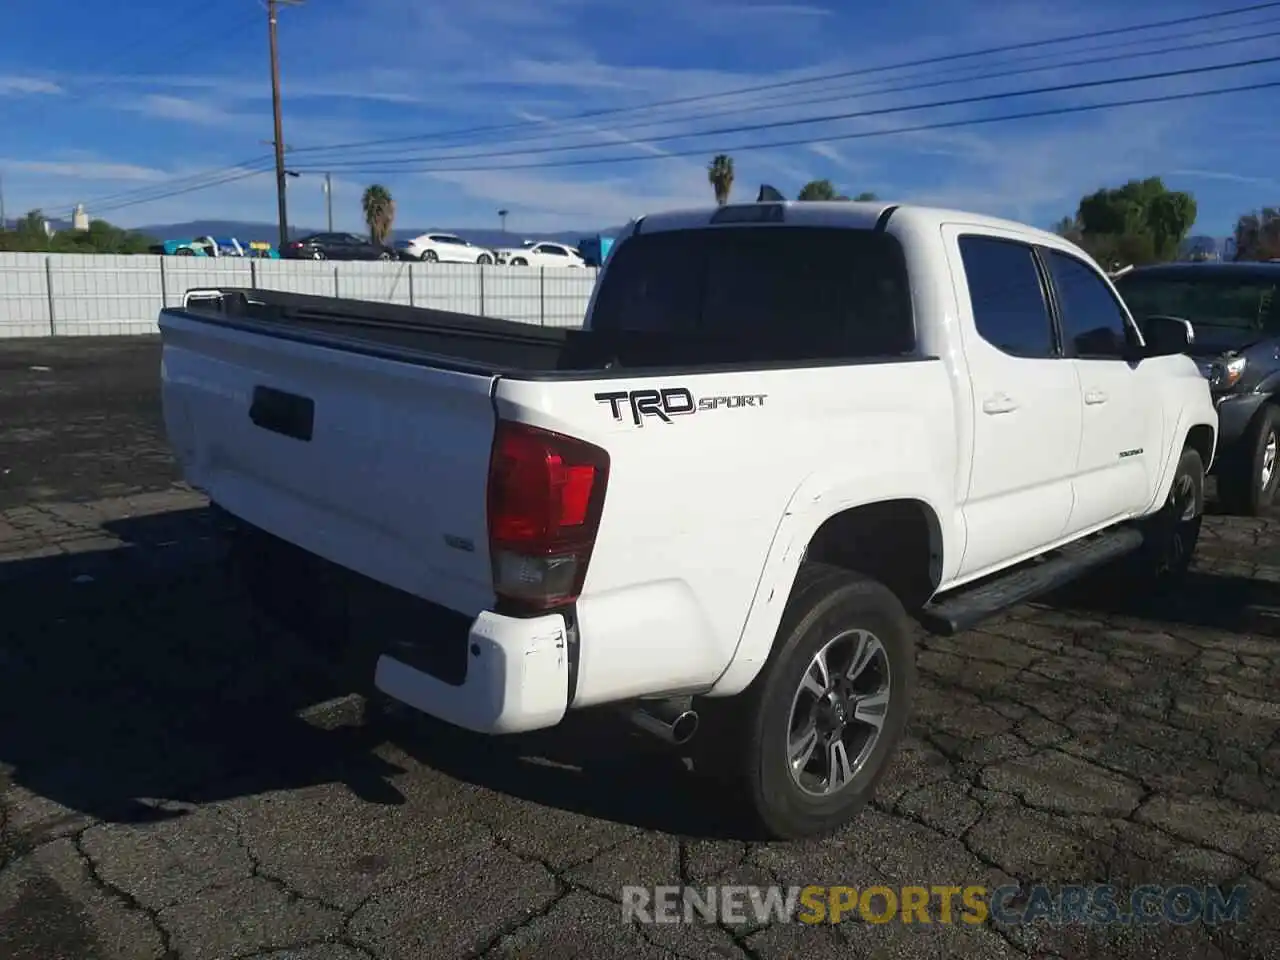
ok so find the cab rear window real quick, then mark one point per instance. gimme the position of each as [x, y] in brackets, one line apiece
[811, 292]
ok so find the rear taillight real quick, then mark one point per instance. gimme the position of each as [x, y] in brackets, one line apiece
[546, 493]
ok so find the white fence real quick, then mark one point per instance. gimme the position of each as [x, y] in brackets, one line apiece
[76, 295]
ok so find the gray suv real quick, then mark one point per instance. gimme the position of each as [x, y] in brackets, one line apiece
[1234, 311]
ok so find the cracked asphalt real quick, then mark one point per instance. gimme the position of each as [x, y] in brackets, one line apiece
[181, 779]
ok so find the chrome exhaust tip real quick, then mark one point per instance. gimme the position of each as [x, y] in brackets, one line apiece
[672, 721]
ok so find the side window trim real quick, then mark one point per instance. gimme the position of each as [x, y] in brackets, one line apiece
[1051, 300]
[1057, 342]
[1068, 350]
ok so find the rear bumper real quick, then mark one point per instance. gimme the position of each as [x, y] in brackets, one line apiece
[517, 677]
[495, 674]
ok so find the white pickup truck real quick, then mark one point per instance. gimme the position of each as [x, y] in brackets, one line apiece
[784, 430]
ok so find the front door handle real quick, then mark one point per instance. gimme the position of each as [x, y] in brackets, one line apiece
[1000, 403]
[1095, 397]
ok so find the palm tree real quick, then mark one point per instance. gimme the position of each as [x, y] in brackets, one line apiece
[379, 211]
[720, 176]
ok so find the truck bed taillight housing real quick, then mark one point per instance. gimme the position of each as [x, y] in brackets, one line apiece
[545, 496]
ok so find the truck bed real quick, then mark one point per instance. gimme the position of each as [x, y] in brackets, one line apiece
[467, 343]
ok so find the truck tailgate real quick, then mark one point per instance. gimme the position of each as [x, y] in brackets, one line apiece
[375, 464]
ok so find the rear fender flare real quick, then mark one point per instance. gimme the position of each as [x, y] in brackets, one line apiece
[813, 503]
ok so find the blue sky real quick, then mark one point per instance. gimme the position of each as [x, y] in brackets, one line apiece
[95, 102]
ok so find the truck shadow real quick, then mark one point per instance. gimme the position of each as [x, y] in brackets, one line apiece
[141, 673]
[135, 673]
[1205, 600]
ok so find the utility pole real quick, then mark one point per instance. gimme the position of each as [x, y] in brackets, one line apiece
[272, 17]
[328, 199]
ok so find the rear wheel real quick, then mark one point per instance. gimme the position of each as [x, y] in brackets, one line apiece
[429, 256]
[519, 262]
[317, 254]
[484, 259]
[810, 739]
[1250, 474]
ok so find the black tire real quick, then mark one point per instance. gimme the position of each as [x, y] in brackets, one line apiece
[386, 255]
[1241, 489]
[185, 252]
[1162, 561]
[317, 255]
[519, 262]
[748, 735]
[430, 256]
[484, 260]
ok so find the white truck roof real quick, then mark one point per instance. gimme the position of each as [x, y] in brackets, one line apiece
[856, 215]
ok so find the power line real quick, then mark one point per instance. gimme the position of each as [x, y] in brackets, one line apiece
[869, 134]
[232, 178]
[831, 118]
[877, 88]
[826, 98]
[778, 85]
[212, 177]
[168, 183]
[242, 174]
[219, 176]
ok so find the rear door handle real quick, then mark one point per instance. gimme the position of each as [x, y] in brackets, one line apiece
[1000, 403]
[1095, 397]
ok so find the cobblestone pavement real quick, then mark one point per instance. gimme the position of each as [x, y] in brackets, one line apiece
[179, 779]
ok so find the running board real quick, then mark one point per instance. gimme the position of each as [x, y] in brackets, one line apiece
[969, 605]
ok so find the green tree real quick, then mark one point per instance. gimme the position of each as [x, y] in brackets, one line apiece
[817, 190]
[825, 190]
[29, 236]
[1257, 235]
[1067, 227]
[1140, 222]
[720, 176]
[379, 211]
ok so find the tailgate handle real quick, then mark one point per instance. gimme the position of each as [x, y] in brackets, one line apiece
[283, 413]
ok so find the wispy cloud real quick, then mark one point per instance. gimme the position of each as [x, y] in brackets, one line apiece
[182, 110]
[101, 171]
[1226, 177]
[13, 86]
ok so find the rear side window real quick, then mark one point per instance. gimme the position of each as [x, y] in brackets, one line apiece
[806, 292]
[1009, 307]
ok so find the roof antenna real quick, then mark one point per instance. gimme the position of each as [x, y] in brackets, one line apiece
[769, 195]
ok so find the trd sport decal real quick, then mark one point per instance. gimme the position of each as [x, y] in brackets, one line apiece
[671, 402]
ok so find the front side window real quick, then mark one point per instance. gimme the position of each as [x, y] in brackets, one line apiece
[1093, 322]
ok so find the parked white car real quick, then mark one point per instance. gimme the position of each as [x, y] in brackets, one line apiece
[443, 248]
[531, 254]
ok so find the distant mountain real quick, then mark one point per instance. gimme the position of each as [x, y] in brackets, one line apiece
[1220, 248]
[268, 231]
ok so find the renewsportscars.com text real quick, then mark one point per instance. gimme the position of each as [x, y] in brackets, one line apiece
[1012, 905]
